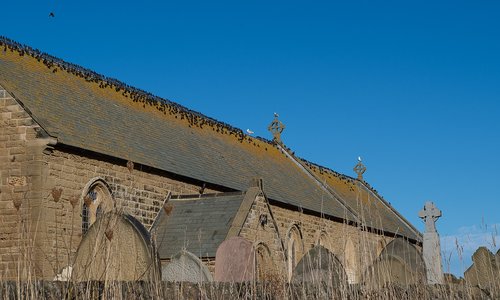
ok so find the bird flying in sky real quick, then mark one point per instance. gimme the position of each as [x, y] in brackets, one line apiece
[249, 131]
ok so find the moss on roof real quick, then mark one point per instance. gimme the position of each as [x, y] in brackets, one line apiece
[89, 111]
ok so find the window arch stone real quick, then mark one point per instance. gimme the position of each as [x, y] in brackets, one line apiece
[294, 248]
[264, 265]
[96, 199]
[351, 262]
[322, 239]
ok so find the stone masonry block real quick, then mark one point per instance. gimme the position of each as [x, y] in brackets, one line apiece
[17, 150]
[24, 122]
[14, 107]
[19, 115]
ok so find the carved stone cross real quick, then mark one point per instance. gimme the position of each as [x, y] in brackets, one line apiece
[276, 127]
[430, 214]
[360, 169]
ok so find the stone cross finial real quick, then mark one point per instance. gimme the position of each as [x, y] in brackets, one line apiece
[360, 169]
[430, 214]
[276, 127]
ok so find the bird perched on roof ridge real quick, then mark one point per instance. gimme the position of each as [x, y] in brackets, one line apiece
[249, 131]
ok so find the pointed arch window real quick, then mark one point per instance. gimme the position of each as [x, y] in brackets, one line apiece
[97, 200]
[264, 265]
[351, 262]
[294, 248]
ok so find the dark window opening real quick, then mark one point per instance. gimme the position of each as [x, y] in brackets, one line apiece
[92, 194]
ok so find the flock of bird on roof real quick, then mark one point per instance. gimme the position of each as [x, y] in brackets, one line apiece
[166, 106]
[137, 95]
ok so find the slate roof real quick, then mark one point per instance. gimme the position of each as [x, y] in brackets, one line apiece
[371, 208]
[198, 225]
[89, 111]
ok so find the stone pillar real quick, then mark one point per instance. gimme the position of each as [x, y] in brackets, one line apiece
[431, 244]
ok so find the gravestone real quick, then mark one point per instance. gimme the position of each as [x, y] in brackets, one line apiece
[185, 267]
[399, 263]
[431, 245]
[234, 261]
[115, 247]
[485, 271]
[319, 265]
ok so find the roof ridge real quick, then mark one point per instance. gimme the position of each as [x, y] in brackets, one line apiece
[136, 94]
[313, 164]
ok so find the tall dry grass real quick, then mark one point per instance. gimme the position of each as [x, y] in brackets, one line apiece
[27, 285]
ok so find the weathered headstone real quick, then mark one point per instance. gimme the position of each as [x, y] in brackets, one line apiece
[431, 245]
[320, 265]
[399, 263]
[116, 247]
[185, 267]
[485, 271]
[234, 261]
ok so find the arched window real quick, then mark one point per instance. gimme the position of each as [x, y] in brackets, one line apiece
[351, 261]
[97, 200]
[264, 265]
[322, 239]
[295, 248]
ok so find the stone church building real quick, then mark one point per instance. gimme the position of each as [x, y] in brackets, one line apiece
[75, 145]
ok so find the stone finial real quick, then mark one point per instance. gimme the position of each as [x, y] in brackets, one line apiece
[276, 127]
[430, 214]
[360, 168]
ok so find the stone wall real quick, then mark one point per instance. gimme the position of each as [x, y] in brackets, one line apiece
[138, 193]
[363, 247]
[45, 232]
[266, 234]
[21, 144]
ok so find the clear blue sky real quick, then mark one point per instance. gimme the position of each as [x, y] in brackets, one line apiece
[412, 87]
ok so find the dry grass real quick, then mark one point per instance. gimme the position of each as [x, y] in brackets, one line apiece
[26, 285]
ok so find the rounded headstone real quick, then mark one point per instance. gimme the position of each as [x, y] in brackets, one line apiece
[185, 267]
[234, 261]
[116, 247]
[399, 262]
[320, 265]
